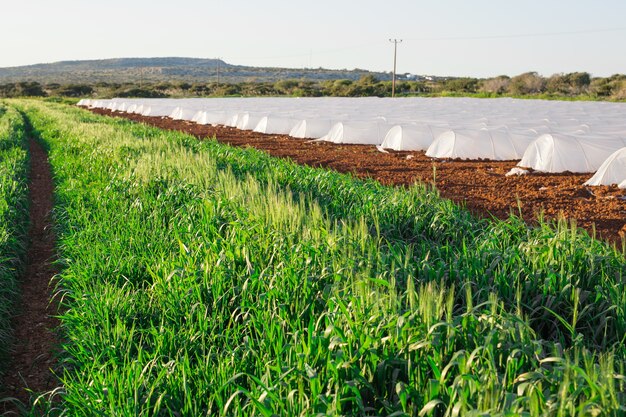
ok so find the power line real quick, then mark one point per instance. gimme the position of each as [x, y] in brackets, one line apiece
[520, 35]
[373, 42]
[444, 38]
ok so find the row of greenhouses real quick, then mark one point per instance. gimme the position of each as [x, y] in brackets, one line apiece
[546, 136]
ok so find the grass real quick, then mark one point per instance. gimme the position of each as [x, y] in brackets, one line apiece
[199, 279]
[13, 217]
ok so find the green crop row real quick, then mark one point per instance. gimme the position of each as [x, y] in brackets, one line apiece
[13, 216]
[199, 279]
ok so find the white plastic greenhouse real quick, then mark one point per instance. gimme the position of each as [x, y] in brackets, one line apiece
[548, 136]
[612, 171]
[156, 111]
[560, 153]
[493, 144]
[183, 113]
[311, 128]
[411, 137]
[275, 125]
[357, 132]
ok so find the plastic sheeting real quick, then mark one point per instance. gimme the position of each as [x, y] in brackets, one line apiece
[156, 111]
[183, 113]
[492, 144]
[248, 121]
[211, 118]
[311, 128]
[357, 132]
[411, 137]
[275, 125]
[369, 120]
[612, 171]
[560, 153]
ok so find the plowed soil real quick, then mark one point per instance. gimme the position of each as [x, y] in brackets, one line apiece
[479, 185]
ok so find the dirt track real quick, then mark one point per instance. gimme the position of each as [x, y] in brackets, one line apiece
[33, 350]
[480, 185]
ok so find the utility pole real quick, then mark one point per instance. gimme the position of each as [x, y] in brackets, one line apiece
[218, 70]
[395, 53]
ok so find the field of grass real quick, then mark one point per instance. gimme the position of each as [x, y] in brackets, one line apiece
[13, 216]
[199, 279]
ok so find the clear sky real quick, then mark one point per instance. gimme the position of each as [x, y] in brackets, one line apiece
[442, 37]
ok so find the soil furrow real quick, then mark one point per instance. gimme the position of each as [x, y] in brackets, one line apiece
[32, 357]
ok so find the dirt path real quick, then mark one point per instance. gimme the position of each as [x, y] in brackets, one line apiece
[34, 339]
[480, 185]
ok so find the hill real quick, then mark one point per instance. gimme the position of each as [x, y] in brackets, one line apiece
[138, 70]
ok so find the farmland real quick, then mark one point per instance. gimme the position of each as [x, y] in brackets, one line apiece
[467, 147]
[481, 186]
[201, 279]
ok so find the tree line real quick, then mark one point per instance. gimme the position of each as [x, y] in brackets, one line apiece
[576, 85]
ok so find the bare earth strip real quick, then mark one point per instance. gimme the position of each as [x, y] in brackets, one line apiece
[35, 341]
[480, 185]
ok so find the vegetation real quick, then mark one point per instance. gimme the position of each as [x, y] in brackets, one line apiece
[189, 77]
[154, 70]
[199, 279]
[578, 85]
[13, 216]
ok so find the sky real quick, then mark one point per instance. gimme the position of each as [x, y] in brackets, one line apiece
[479, 38]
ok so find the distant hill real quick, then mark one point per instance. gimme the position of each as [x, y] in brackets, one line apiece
[138, 70]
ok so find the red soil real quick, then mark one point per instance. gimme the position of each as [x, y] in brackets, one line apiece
[480, 185]
[34, 339]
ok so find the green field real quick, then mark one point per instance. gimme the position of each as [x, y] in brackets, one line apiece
[199, 279]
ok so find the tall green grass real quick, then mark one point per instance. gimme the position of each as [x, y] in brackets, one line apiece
[199, 279]
[13, 216]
